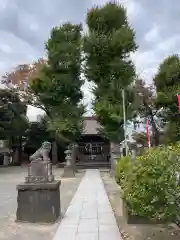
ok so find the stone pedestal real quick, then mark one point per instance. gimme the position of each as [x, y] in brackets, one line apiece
[38, 202]
[69, 170]
[38, 198]
[39, 171]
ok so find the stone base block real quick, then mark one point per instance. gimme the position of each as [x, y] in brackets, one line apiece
[38, 202]
[39, 171]
[68, 172]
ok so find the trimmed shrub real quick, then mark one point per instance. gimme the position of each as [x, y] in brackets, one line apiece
[123, 169]
[175, 148]
[152, 190]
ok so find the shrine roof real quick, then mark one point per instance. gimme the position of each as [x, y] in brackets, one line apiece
[91, 125]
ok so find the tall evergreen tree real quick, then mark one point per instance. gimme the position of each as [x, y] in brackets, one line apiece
[54, 85]
[59, 84]
[107, 48]
[167, 82]
[64, 68]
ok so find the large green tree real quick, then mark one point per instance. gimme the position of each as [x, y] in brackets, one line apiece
[58, 85]
[54, 85]
[13, 121]
[167, 87]
[107, 47]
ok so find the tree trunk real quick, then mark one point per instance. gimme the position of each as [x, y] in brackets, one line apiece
[54, 153]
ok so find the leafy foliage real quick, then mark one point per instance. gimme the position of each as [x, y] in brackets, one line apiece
[123, 169]
[144, 108]
[107, 49]
[35, 135]
[13, 121]
[19, 78]
[151, 190]
[54, 85]
[167, 87]
[59, 84]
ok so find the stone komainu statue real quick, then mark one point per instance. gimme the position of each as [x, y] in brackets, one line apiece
[42, 154]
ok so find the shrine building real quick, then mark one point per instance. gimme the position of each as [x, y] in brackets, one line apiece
[93, 150]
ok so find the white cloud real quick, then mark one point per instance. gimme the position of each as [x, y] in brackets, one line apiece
[153, 35]
[170, 45]
[146, 63]
[34, 27]
[3, 5]
[133, 8]
[5, 48]
[144, 59]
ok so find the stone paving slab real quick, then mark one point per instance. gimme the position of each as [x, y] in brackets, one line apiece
[9, 229]
[89, 215]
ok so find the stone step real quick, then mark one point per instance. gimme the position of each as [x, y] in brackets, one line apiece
[88, 165]
[93, 165]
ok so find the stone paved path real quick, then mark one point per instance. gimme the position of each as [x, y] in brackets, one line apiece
[89, 216]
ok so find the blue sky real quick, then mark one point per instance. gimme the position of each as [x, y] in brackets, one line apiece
[25, 26]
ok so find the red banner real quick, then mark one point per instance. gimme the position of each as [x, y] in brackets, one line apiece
[178, 96]
[147, 133]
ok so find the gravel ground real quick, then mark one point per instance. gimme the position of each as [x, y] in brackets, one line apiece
[9, 229]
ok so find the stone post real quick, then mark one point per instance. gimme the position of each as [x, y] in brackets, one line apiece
[134, 153]
[133, 148]
[6, 159]
[74, 156]
[115, 155]
[5, 151]
[69, 169]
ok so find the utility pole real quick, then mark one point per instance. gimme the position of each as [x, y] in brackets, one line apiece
[124, 116]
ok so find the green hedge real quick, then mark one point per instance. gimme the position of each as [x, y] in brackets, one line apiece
[123, 169]
[150, 183]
